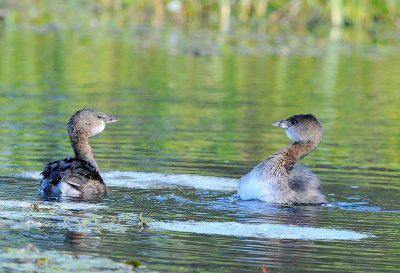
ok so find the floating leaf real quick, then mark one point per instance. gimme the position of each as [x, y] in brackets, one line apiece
[134, 263]
[42, 261]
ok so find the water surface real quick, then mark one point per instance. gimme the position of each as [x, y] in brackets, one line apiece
[189, 127]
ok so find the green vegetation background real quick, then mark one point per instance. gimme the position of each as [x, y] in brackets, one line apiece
[273, 16]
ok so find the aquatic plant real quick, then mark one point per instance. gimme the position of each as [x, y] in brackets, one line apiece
[37, 215]
[141, 224]
[31, 259]
[134, 263]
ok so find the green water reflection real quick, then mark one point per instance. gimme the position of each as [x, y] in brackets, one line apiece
[182, 105]
[207, 115]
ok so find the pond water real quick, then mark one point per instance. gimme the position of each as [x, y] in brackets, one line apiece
[190, 126]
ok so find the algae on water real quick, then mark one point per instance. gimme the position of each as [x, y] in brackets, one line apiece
[36, 215]
[31, 259]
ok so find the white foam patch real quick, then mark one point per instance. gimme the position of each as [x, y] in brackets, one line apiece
[272, 231]
[31, 175]
[48, 205]
[144, 180]
[153, 180]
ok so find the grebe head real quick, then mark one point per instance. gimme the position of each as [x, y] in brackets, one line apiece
[88, 122]
[301, 128]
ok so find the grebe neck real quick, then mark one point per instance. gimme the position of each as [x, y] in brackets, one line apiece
[82, 149]
[296, 151]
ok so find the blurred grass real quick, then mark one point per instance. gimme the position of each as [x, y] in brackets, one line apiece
[272, 16]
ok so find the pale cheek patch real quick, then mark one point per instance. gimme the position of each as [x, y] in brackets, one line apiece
[98, 129]
[291, 135]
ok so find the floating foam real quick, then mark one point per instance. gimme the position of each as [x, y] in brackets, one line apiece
[151, 180]
[271, 231]
[29, 174]
[145, 180]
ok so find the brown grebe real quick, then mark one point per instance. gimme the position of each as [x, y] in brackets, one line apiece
[278, 179]
[78, 176]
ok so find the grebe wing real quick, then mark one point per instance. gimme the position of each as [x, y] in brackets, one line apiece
[75, 172]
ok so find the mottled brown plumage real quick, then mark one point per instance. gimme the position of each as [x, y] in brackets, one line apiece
[78, 176]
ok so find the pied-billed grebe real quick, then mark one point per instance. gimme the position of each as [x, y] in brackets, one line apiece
[278, 179]
[78, 176]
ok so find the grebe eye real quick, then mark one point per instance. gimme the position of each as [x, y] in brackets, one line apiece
[294, 122]
[99, 116]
